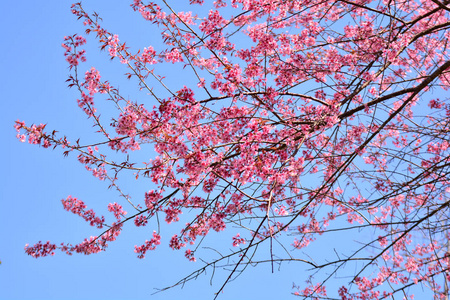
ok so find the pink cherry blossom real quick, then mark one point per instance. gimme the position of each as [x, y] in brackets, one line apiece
[292, 123]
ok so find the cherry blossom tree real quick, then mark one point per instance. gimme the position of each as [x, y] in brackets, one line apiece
[300, 120]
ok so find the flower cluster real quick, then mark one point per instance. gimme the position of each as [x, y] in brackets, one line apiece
[35, 133]
[148, 245]
[117, 210]
[72, 54]
[237, 240]
[40, 250]
[78, 207]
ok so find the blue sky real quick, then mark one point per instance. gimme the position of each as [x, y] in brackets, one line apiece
[34, 180]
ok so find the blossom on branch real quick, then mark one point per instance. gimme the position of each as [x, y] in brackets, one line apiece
[288, 125]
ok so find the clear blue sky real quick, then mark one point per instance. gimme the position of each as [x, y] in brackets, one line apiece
[34, 180]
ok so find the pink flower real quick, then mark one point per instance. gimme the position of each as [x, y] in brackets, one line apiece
[151, 199]
[174, 56]
[175, 243]
[140, 220]
[237, 240]
[21, 137]
[92, 81]
[79, 208]
[190, 255]
[40, 250]
[117, 210]
[148, 245]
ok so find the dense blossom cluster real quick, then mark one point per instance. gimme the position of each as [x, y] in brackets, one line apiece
[305, 118]
[39, 249]
[78, 207]
[35, 134]
[149, 245]
[72, 55]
